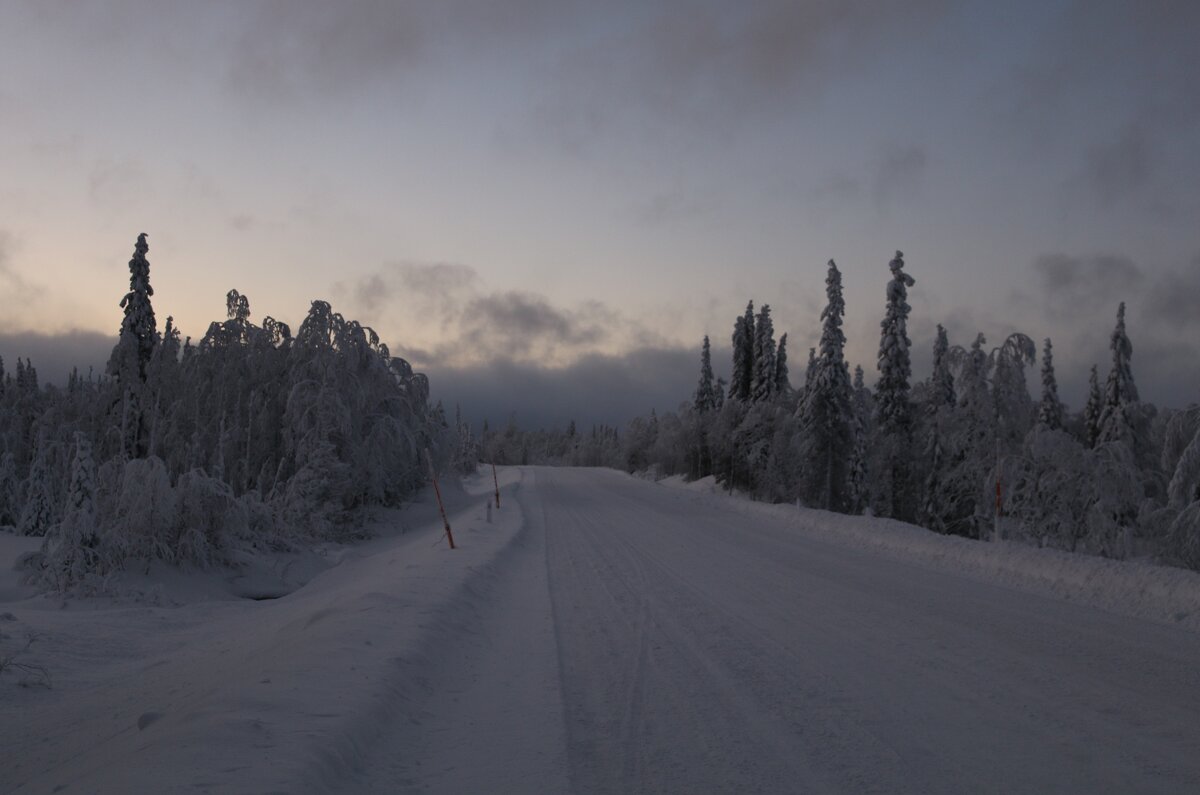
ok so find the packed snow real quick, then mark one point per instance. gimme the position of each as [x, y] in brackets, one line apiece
[603, 633]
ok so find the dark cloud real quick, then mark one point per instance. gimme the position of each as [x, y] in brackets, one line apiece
[519, 323]
[433, 289]
[54, 355]
[593, 389]
[1098, 277]
[477, 324]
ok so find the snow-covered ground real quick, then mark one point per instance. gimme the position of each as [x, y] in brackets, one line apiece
[606, 634]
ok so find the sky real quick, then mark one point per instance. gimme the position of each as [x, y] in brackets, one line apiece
[546, 204]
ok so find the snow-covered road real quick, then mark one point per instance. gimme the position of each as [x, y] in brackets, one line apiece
[700, 652]
[607, 634]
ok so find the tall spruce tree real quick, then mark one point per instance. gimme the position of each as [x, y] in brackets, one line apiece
[940, 411]
[1120, 392]
[942, 380]
[826, 414]
[857, 491]
[782, 387]
[1050, 410]
[743, 356]
[139, 333]
[705, 399]
[893, 411]
[762, 380]
[1093, 409]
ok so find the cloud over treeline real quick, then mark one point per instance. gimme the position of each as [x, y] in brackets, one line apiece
[464, 321]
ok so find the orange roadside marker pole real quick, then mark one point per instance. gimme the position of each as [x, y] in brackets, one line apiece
[441, 506]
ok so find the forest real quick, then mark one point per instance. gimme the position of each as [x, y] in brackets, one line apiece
[254, 436]
[967, 451]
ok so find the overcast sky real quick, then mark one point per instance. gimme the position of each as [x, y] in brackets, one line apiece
[546, 204]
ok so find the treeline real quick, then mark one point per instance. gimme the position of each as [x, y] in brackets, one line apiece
[1120, 477]
[182, 451]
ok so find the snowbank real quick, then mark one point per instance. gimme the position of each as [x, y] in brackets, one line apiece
[1133, 588]
[229, 694]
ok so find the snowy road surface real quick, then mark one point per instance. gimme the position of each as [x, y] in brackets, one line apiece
[612, 635]
[700, 653]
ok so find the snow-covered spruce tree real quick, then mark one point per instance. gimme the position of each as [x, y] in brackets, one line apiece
[942, 380]
[134, 350]
[939, 409]
[38, 514]
[705, 399]
[1010, 395]
[782, 386]
[719, 393]
[9, 491]
[1093, 410]
[72, 546]
[857, 489]
[1120, 392]
[762, 375]
[139, 331]
[743, 356]
[826, 414]
[1050, 410]
[704, 404]
[894, 493]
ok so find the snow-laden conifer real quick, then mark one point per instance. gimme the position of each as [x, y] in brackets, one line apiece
[139, 333]
[705, 399]
[38, 514]
[1120, 392]
[826, 414]
[71, 547]
[858, 488]
[762, 377]
[942, 380]
[1050, 410]
[1093, 410]
[743, 356]
[893, 410]
[782, 386]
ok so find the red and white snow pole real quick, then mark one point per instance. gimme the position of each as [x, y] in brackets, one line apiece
[441, 505]
[496, 483]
